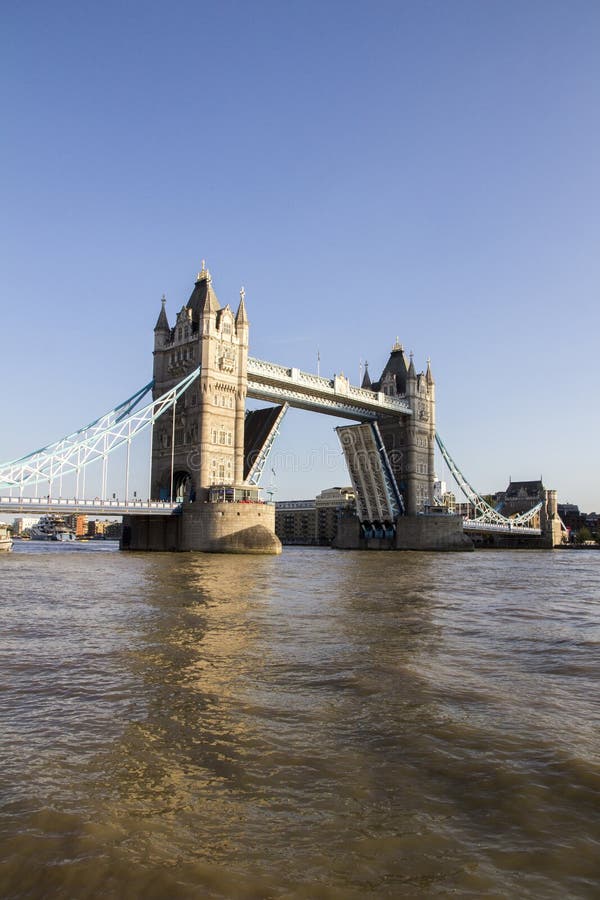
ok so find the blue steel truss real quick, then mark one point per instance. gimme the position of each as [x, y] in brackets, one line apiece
[485, 513]
[394, 496]
[120, 412]
[96, 441]
[255, 473]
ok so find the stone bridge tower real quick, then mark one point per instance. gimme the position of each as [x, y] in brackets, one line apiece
[202, 442]
[410, 442]
[198, 446]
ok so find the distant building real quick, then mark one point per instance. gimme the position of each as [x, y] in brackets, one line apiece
[78, 524]
[328, 506]
[296, 521]
[520, 496]
[113, 531]
[22, 524]
[572, 517]
[440, 490]
[96, 528]
[312, 522]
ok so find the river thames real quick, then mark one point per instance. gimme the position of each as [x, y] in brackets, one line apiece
[316, 725]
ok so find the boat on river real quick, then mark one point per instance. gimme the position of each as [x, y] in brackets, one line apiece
[51, 528]
[5, 538]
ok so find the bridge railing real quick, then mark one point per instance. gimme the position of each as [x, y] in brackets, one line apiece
[339, 385]
[37, 504]
[509, 527]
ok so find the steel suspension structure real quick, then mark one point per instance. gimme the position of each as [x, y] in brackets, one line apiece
[484, 512]
[95, 442]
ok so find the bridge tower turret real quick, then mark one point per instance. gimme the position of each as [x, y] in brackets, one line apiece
[242, 328]
[202, 442]
[162, 336]
[410, 442]
[550, 520]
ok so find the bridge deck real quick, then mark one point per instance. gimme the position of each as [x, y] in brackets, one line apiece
[39, 506]
[475, 525]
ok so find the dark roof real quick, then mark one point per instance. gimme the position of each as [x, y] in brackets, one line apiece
[257, 427]
[241, 317]
[396, 366]
[529, 488]
[162, 323]
[366, 382]
[202, 296]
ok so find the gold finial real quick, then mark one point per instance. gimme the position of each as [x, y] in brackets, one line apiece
[163, 299]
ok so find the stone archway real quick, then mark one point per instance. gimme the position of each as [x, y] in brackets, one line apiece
[183, 486]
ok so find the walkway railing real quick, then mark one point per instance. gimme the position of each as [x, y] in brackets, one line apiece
[336, 396]
[35, 506]
[507, 528]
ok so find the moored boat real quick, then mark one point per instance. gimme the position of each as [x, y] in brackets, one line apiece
[51, 528]
[5, 538]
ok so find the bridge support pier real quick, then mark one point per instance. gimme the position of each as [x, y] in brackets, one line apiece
[442, 533]
[206, 527]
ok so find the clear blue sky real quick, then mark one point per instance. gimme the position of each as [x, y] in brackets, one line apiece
[422, 169]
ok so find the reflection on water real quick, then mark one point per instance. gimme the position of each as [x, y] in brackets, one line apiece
[319, 725]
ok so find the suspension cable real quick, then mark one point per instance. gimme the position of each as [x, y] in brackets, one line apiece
[485, 512]
[96, 441]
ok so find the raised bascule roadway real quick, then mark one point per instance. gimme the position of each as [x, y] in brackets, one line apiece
[207, 452]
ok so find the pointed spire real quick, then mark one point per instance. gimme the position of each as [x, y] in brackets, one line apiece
[211, 304]
[411, 368]
[366, 382]
[203, 298]
[428, 374]
[241, 317]
[162, 323]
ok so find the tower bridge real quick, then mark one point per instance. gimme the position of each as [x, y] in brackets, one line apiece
[207, 452]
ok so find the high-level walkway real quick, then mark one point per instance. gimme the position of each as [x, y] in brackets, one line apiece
[335, 396]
